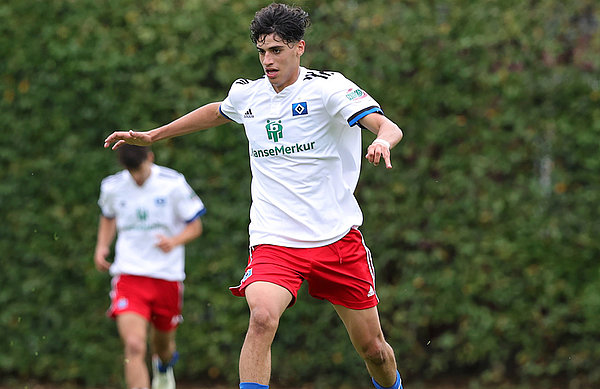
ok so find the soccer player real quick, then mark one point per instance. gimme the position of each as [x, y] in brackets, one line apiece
[304, 133]
[155, 213]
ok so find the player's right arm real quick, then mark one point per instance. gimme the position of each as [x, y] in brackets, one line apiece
[202, 118]
[107, 230]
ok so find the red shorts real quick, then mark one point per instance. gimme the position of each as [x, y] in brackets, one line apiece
[341, 273]
[159, 301]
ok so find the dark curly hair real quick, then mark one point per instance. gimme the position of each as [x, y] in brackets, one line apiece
[288, 22]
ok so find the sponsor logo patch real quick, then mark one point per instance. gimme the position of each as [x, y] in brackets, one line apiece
[142, 214]
[274, 130]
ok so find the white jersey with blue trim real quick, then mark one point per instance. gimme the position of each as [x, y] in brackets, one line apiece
[162, 205]
[305, 156]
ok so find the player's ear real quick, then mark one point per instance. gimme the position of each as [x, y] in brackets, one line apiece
[300, 48]
[151, 156]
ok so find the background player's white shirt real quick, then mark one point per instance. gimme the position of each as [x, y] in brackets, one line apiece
[162, 205]
[305, 156]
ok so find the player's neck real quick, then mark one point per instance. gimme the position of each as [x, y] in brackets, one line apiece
[291, 81]
[141, 174]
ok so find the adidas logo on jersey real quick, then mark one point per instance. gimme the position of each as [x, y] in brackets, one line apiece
[248, 114]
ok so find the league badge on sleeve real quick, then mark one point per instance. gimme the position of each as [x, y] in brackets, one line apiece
[355, 94]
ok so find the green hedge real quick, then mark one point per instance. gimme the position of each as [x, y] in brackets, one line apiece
[484, 233]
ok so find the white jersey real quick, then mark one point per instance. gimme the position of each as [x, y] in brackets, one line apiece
[305, 156]
[162, 205]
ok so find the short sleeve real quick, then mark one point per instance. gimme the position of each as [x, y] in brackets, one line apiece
[106, 202]
[345, 98]
[188, 205]
[228, 107]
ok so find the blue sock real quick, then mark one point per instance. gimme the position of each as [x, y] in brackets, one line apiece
[163, 368]
[252, 385]
[397, 384]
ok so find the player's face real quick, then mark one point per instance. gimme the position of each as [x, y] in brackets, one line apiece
[280, 61]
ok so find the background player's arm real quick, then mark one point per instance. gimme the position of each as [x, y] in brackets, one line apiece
[107, 230]
[191, 231]
[388, 136]
[202, 118]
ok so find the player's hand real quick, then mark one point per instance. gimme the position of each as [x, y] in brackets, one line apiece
[131, 137]
[165, 243]
[376, 151]
[100, 259]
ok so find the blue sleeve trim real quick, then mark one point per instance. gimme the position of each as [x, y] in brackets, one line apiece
[196, 216]
[361, 114]
[225, 116]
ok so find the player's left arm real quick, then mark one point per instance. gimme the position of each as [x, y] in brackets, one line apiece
[107, 230]
[191, 231]
[388, 136]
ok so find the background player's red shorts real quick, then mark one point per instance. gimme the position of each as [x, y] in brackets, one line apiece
[342, 272]
[159, 301]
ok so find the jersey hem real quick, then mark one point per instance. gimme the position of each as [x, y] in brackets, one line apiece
[225, 116]
[295, 243]
[196, 216]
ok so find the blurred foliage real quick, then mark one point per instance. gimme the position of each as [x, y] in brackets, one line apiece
[484, 233]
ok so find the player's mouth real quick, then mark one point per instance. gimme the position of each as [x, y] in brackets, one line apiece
[271, 73]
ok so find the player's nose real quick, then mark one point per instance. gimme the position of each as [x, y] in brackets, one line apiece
[267, 59]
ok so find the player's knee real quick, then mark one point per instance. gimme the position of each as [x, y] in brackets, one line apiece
[376, 352]
[262, 322]
[134, 346]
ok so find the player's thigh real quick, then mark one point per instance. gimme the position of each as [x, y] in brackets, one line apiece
[275, 265]
[267, 299]
[363, 326]
[133, 329]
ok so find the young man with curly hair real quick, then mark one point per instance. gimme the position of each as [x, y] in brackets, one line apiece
[304, 132]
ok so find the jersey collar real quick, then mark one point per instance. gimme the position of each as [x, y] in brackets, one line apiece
[290, 88]
[154, 171]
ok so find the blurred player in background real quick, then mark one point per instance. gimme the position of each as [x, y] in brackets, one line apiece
[155, 213]
[303, 128]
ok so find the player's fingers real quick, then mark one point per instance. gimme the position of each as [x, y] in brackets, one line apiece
[388, 160]
[115, 136]
[118, 144]
[377, 155]
[163, 242]
[109, 139]
[102, 265]
[372, 155]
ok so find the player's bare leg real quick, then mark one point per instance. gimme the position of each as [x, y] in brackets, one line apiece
[367, 337]
[133, 330]
[163, 344]
[267, 302]
[164, 357]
